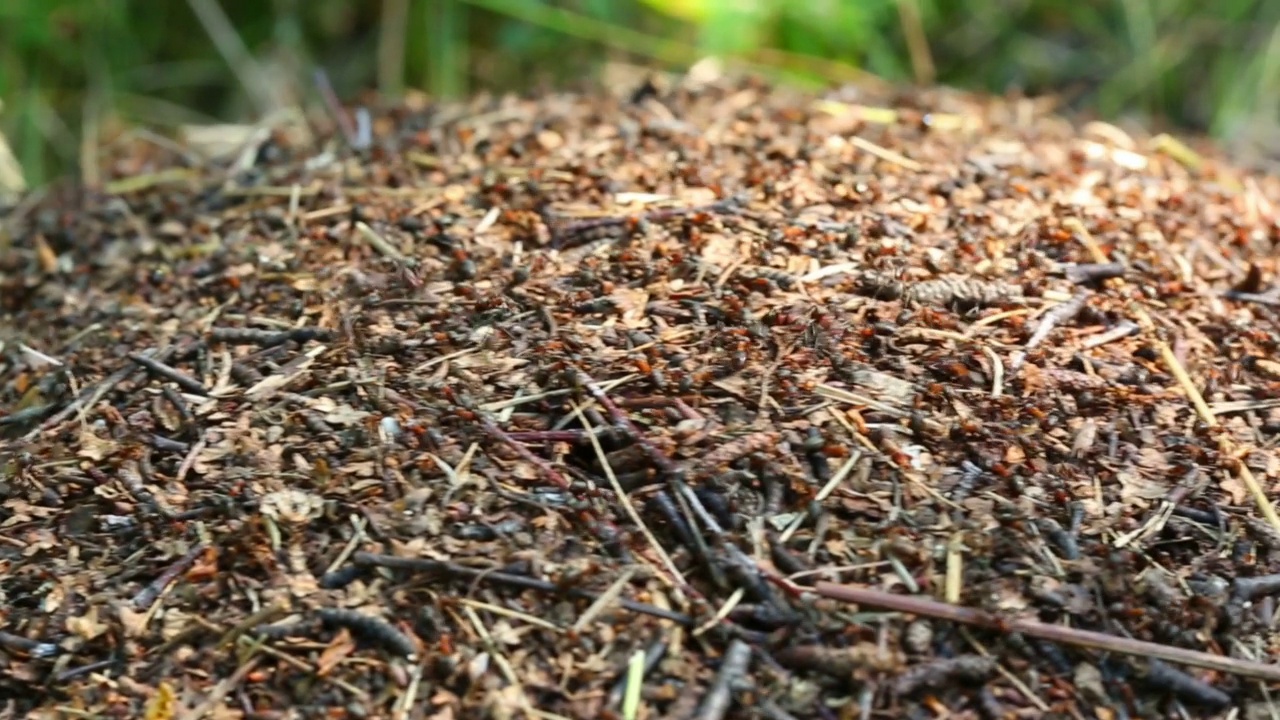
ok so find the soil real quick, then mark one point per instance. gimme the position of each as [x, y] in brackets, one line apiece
[708, 399]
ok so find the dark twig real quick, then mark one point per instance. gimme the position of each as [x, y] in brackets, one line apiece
[150, 593]
[1055, 633]
[1089, 273]
[179, 406]
[130, 475]
[652, 655]
[572, 436]
[1162, 676]
[1257, 298]
[25, 415]
[160, 369]
[161, 442]
[266, 338]
[34, 648]
[936, 673]
[370, 628]
[72, 673]
[1249, 588]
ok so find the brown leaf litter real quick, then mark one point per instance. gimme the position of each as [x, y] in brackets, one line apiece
[714, 401]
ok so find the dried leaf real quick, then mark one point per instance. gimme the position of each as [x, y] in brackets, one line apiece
[133, 622]
[337, 650]
[87, 626]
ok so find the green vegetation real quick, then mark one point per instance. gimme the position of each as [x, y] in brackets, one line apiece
[71, 66]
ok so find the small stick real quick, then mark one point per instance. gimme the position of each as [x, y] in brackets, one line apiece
[665, 464]
[1054, 633]
[1258, 298]
[997, 372]
[1192, 689]
[25, 415]
[159, 368]
[179, 405]
[732, 667]
[130, 474]
[845, 470]
[1088, 273]
[631, 686]
[501, 435]
[220, 691]
[1055, 316]
[885, 154]
[35, 648]
[603, 602]
[379, 243]
[1249, 588]
[257, 645]
[572, 436]
[651, 657]
[72, 673]
[267, 338]
[150, 593]
[514, 614]
[954, 582]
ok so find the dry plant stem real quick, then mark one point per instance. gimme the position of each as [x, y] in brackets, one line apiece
[17, 643]
[868, 597]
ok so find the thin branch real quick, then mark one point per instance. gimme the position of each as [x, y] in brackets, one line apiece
[925, 607]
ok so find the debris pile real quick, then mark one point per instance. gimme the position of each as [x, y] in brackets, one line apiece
[714, 401]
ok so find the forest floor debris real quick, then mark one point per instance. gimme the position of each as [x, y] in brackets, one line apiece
[723, 390]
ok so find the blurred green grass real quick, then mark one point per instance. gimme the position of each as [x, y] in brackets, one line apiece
[74, 67]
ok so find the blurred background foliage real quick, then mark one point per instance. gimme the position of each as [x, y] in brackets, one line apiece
[71, 69]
